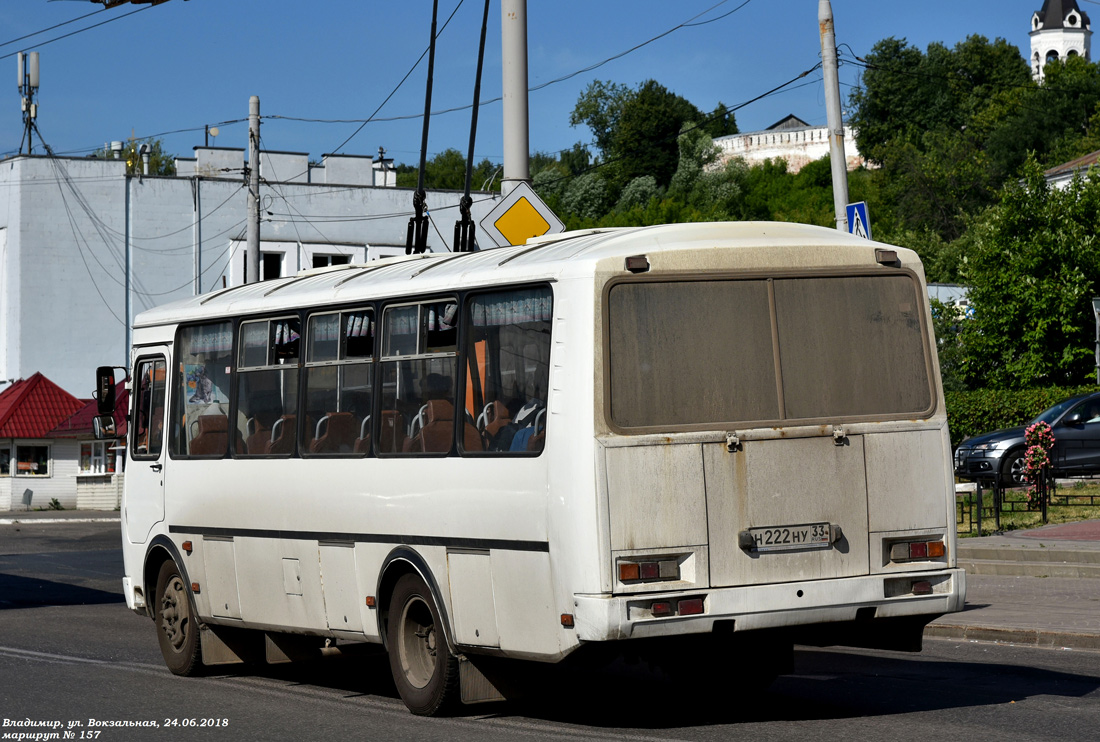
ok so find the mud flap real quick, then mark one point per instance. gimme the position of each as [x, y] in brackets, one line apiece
[474, 685]
[223, 645]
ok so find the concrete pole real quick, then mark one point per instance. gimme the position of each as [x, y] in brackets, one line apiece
[832, 107]
[129, 268]
[513, 34]
[252, 250]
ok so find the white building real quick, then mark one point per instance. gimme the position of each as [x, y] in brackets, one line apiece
[1059, 31]
[1060, 176]
[790, 139]
[84, 247]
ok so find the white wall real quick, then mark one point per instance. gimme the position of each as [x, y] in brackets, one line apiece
[60, 484]
[63, 266]
[799, 147]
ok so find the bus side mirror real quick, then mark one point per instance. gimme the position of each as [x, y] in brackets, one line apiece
[103, 426]
[105, 390]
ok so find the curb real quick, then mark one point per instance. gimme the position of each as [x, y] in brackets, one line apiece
[35, 521]
[1026, 637]
[1006, 568]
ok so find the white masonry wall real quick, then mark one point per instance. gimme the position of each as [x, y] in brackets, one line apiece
[71, 230]
[799, 147]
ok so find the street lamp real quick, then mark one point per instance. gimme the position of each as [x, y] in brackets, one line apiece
[1096, 318]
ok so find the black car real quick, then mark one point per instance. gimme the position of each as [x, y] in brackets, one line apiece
[1076, 426]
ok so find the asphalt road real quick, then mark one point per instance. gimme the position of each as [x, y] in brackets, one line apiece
[70, 652]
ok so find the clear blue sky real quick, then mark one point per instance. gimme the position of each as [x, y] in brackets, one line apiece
[187, 63]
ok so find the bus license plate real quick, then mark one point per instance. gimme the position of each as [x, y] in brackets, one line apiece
[789, 538]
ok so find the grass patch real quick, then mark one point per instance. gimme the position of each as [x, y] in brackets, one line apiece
[1077, 502]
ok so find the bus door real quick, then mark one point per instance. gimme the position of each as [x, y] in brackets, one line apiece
[143, 503]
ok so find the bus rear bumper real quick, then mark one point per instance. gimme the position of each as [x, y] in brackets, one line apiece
[783, 606]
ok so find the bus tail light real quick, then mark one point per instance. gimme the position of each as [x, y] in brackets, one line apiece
[690, 607]
[908, 550]
[666, 608]
[663, 569]
[924, 587]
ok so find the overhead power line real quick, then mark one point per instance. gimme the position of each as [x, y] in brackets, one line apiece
[406, 117]
[86, 28]
[56, 25]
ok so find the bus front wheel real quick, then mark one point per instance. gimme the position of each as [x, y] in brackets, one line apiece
[177, 629]
[424, 670]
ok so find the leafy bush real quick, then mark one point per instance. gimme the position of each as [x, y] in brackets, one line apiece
[985, 410]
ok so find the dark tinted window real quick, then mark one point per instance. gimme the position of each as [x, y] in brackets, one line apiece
[704, 352]
[688, 353]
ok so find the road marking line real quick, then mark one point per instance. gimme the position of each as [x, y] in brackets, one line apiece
[390, 707]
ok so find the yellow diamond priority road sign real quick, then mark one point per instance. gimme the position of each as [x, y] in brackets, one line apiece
[520, 216]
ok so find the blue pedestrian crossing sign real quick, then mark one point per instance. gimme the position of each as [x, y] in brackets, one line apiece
[858, 223]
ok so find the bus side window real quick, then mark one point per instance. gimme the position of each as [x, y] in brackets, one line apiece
[200, 412]
[339, 372]
[419, 365]
[508, 368]
[149, 408]
[267, 387]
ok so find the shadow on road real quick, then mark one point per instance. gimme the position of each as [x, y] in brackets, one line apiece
[17, 591]
[825, 685]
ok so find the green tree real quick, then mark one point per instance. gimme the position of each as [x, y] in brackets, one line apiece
[905, 91]
[598, 108]
[1032, 269]
[638, 193]
[587, 196]
[1051, 120]
[636, 129]
[930, 119]
[447, 171]
[948, 320]
[721, 122]
[645, 140]
[160, 162]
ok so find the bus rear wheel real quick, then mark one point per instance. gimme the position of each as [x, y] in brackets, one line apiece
[177, 629]
[424, 670]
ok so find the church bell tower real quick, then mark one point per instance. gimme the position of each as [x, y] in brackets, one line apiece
[1059, 31]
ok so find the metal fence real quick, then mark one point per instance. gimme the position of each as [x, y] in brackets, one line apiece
[996, 499]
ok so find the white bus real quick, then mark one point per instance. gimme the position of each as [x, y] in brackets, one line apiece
[668, 441]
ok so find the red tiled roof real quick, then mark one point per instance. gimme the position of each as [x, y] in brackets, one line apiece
[31, 408]
[80, 424]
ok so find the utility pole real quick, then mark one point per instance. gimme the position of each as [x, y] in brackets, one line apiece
[513, 33]
[252, 251]
[832, 107]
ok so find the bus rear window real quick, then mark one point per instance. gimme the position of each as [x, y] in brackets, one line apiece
[698, 353]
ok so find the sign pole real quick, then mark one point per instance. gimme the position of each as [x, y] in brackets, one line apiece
[832, 107]
[513, 33]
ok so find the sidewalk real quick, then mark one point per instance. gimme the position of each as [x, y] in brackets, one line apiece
[11, 517]
[1039, 587]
